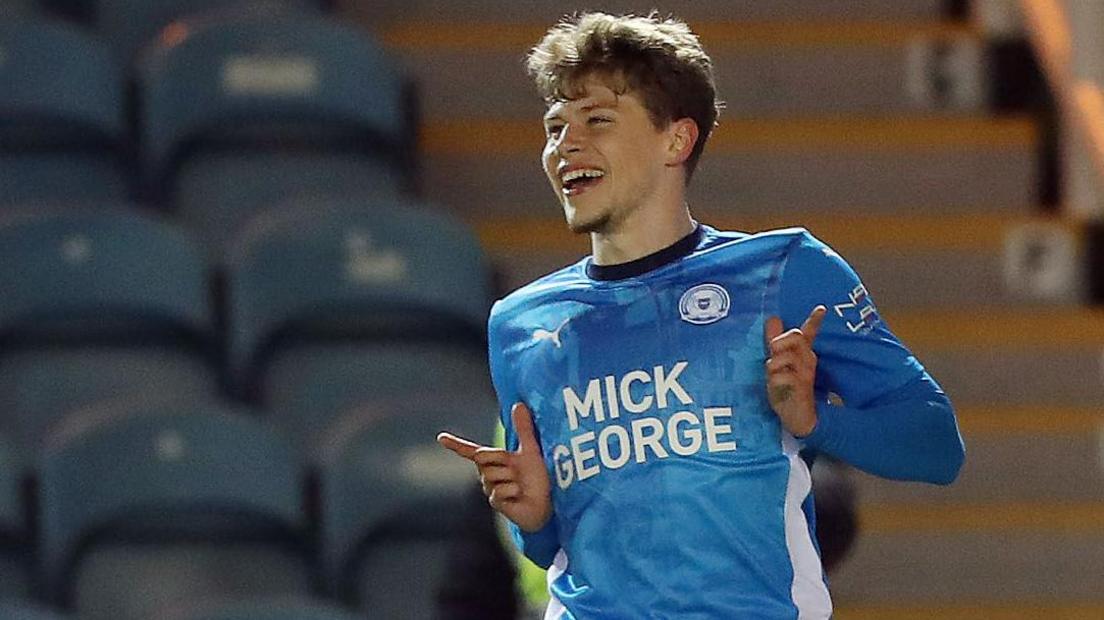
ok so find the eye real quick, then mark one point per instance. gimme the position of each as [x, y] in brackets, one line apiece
[599, 120]
[553, 131]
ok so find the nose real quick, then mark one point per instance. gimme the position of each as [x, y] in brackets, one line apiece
[571, 139]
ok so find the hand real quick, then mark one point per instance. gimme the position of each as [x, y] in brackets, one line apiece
[516, 483]
[791, 372]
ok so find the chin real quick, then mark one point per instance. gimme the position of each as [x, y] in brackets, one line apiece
[590, 220]
[593, 225]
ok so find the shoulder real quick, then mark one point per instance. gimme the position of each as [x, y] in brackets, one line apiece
[777, 243]
[788, 243]
[536, 294]
[801, 259]
[715, 238]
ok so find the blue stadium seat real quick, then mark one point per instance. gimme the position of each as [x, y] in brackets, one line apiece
[15, 548]
[62, 124]
[12, 512]
[272, 609]
[97, 304]
[131, 25]
[332, 304]
[14, 609]
[10, 9]
[392, 501]
[147, 507]
[239, 115]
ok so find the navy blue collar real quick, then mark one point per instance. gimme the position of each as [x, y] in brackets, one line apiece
[644, 264]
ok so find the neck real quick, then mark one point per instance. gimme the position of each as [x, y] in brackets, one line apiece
[642, 232]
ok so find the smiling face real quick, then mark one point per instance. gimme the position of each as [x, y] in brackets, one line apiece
[604, 157]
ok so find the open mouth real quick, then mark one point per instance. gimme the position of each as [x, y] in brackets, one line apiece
[576, 182]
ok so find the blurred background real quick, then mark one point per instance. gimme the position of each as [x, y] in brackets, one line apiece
[247, 249]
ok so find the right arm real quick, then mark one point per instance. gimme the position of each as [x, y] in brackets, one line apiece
[515, 479]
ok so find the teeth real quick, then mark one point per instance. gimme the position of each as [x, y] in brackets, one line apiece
[582, 172]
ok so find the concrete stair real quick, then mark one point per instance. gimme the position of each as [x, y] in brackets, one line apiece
[548, 11]
[755, 167]
[766, 68]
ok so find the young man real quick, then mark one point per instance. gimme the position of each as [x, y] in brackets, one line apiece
[656, 394]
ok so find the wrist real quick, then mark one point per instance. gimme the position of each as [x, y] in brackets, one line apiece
[807, 425]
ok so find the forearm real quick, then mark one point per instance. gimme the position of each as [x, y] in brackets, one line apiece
[540, 546]
[909, 435]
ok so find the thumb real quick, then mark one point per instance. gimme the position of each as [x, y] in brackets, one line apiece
[523, 426]
[772, 328]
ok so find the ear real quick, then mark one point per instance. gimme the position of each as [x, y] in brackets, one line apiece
[682, 136]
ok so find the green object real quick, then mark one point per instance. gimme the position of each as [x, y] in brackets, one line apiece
[532, 583]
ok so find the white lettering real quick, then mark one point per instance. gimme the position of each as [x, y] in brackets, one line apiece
[694, 434]
[582, 408]
[581, 455]
[652, 436]
[623, 450]
[712, 429]
[565, 473]
[626, 392]
[669, 383]
[641, 441]
[611, 396]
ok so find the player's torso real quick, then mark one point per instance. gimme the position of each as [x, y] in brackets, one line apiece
[633, 374]
[649, 395]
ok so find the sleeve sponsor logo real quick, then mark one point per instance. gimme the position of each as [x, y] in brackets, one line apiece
[858, 312]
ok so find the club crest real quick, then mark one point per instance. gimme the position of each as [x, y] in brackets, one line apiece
[704, 304]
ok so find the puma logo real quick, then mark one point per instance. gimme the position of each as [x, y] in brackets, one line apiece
[554, 336]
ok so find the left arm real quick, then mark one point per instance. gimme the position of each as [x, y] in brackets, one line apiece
[895, 422]
[908, 433]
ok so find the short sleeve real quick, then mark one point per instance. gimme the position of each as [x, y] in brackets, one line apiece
[859, 358]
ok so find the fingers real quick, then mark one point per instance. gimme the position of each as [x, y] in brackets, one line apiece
[779, 341]
[493, 474]
[772, 328]
[523, 426]
[459, 445]
[504, 492]
[793, 358]
[812, 324]
[499, 483]
[779, 365]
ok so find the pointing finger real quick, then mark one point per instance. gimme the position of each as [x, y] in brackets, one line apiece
[812, 324]
[459, 445]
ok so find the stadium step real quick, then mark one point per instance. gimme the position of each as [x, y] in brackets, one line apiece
[981, 517]
[548, 11]
[987, 610]
[763, 68]
[1016, 563]
[1048, 357]
[756, 167]
[860, 82]
[906, 261]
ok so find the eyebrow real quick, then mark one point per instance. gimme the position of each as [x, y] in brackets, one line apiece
[549, 116]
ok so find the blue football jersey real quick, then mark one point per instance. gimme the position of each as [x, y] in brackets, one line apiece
[676, 491]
